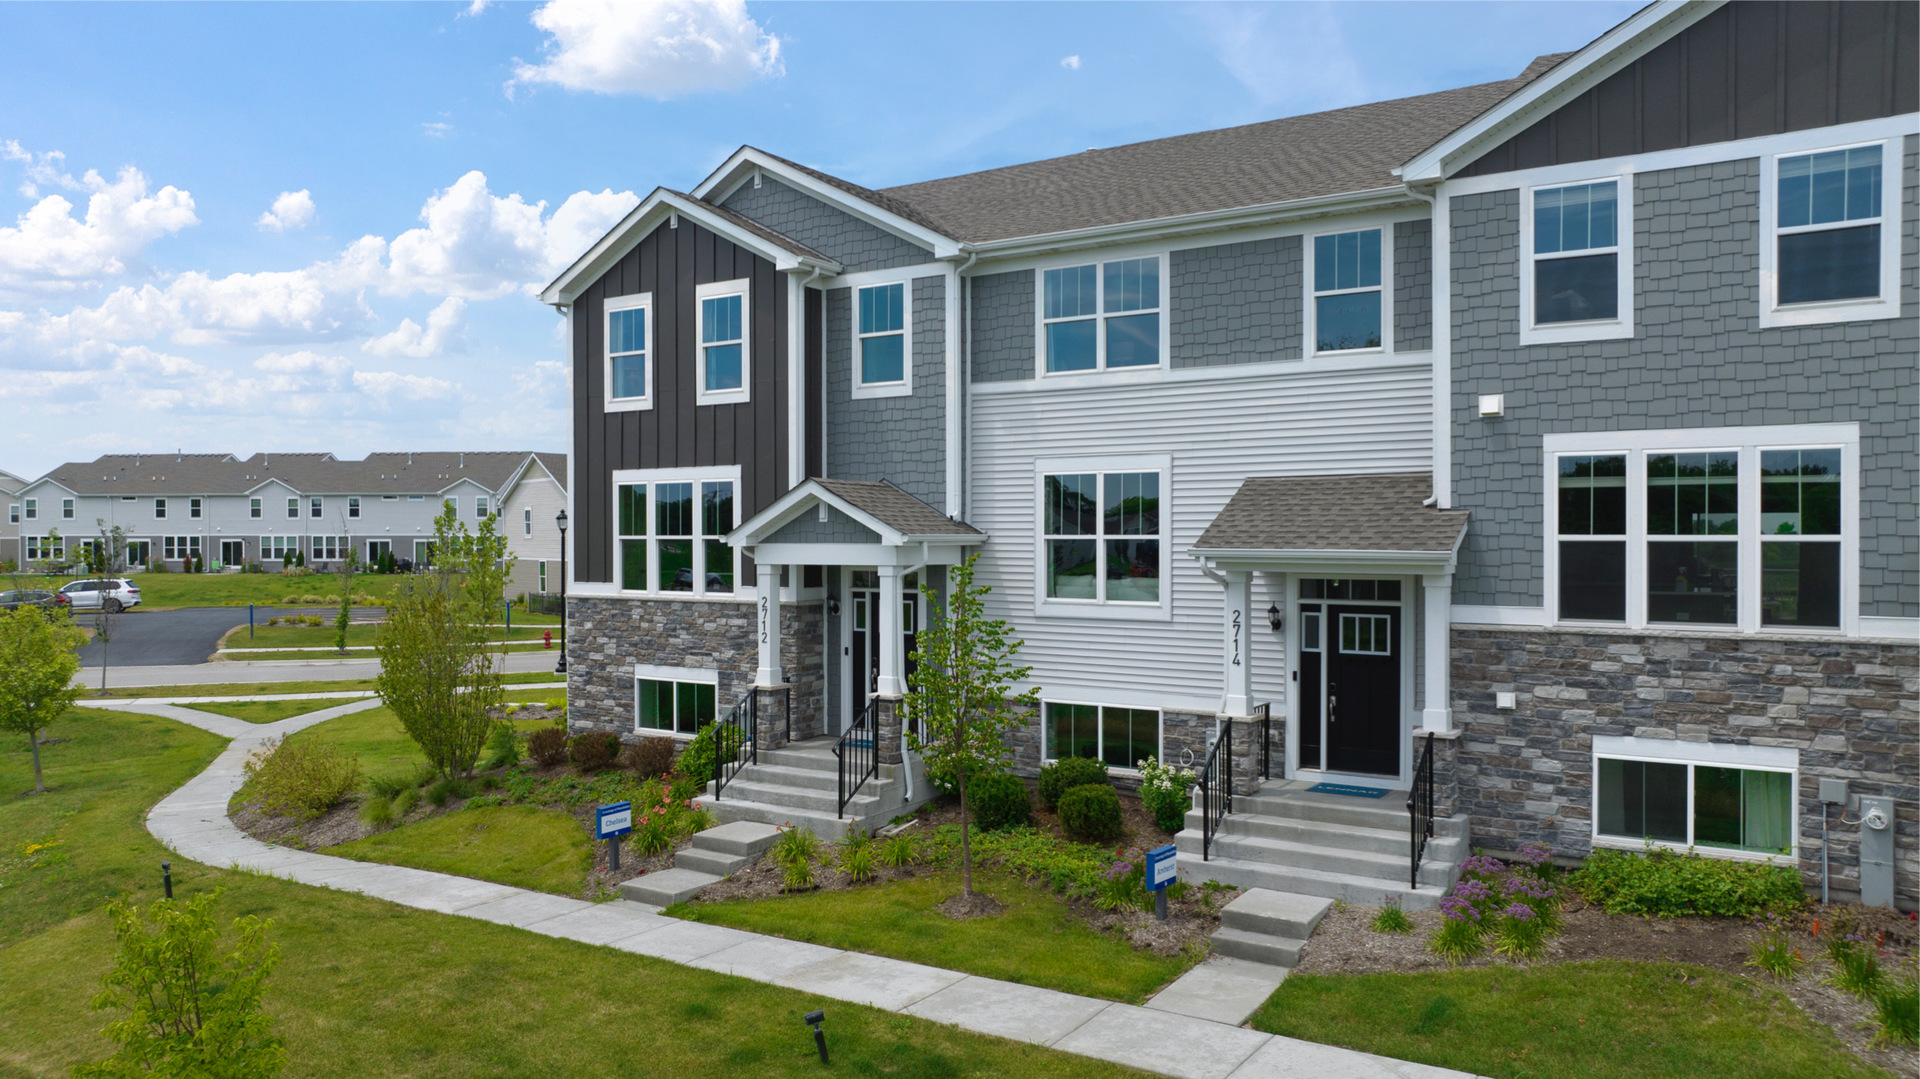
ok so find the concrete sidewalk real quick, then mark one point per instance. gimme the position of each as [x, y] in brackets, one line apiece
[193, 822]
[288, 670]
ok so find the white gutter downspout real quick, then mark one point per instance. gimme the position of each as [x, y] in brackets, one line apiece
[956, 388]
[1441, 321]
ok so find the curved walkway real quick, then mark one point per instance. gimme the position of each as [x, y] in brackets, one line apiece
[193, 822]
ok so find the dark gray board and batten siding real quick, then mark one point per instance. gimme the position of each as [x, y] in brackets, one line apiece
[676, 433]
[1749, 69]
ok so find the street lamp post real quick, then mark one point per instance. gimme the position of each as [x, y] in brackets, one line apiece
[561, 520]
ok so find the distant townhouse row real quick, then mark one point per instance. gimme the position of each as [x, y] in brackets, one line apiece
[226, 512]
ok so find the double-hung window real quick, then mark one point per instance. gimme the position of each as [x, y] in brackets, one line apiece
[33, 509]
[1593, 537]
[181, 548]
[1724, 798]
[353, 507]
[670, 535]
[159, 509]
[542, 567]
[673, 706]
[479, 507]
[13, 513]
[278, 548]
[293, 507]
[46, 548]
[1576, 277]
[193, 508]
[725, 361]
[1693, 526]
[1102, 315]
[1122, 737]
[1101, 533]
[328, 548]
[66, 508]
[1348, 300]
[253, 508]
[1800, 537]
[317, 506]
[1830, 250]
[629, 375]
[882, 364]
[526, 522]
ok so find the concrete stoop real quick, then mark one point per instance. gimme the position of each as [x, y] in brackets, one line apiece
[713, 855]
[1259, 940]
[799, 784]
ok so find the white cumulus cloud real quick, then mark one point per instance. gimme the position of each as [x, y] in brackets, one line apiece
[444, 325]
[661, 49]
[292, 210]
[1071, 63]
[48, 249]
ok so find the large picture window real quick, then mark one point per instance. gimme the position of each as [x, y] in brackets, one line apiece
[1347, 295]
[1691, 804]
[1830, 249]
[629, 381]
[675, 707]
[883, 353]
[278, 548]
[724, 358]
[670, 536]
[1101, 315]
[1122, 737]
[1102, 536]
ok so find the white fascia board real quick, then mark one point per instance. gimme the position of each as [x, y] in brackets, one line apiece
[1601, 58]
[797, 501]
[647, 216]
[34, 488]
[1317, 561]
[506, 489]
[739, 169]
[1162, 228]
[905, 556]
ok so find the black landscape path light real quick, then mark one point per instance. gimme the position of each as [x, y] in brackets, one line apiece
[561, 520]
[814, 1019]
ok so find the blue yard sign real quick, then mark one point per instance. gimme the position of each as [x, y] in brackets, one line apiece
[613, 820]
[1161, 870]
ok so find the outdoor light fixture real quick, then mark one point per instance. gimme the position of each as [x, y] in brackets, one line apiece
[833, 608]
[1273, 617]
[561, 520]
[814, 1019]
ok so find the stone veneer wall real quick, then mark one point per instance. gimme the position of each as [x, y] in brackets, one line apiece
[1847, 706]
[606, 637]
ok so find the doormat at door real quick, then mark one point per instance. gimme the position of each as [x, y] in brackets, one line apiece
[1351, 792]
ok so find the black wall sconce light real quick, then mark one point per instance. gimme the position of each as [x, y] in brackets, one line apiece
[833, 608]
[1273, 617]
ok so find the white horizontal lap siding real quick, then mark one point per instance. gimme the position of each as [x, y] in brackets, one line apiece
[1218, 432]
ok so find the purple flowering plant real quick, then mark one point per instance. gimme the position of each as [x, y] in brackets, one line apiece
[1482, 867]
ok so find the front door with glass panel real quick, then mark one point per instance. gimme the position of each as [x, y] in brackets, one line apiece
[863, 636]
[1349, 677]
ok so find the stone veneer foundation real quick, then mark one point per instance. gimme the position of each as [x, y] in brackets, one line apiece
[1526, 774]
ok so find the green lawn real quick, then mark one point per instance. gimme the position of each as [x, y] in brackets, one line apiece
[354, 653]
[525, 846]
[254, 689]
[230, 589]
[377, 739]
[1599, 1020]
[1036, 941]
[366, 987]
[270, 711]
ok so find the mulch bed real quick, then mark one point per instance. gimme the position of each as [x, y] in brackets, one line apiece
[1345, 944]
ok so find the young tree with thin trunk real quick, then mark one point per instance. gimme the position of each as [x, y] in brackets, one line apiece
[349, 566]
[961, 696]
[109, 553]
[37, 665]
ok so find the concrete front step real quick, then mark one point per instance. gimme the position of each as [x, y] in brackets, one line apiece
[1299, 830]
[825, 825]
[1330, 859]
[1278, 914]
[667, 887]
[1361, 891]
[727, 849]
[825, 802]
[1257, 947]
[1292, 799]
[786, 775]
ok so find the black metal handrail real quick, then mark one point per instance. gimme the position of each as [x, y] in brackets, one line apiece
[1420, 807]
[1216, 789]
[858, 754]
[734, 743]
[1265, 712]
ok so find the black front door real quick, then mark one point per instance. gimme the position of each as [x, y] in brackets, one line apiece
[1363, 690]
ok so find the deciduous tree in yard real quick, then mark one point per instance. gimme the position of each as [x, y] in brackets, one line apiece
[349, 566]
[961, 696]
[435, 671]
[37, 665]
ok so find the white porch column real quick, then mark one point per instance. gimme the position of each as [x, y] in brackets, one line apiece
[768, 627]
[1235, 646]
[892, 660]
[1437, 716]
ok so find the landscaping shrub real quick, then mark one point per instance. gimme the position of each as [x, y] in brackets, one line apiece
[1392, 919]
[1665, 885]
[594, 750]
[796, 844]
[651, 835]
[1061, 776]
[999, 802]
[900, 851]
[696, 761]
[649, 757]
[1167, 793]
[404, 802]
[1091, 813]
[796, 876]
[447, 790]
[391, 786]
[503, 747]
[1468, 914]
[548, 745]
[301, 779]
[1520, 933]
[377, 811]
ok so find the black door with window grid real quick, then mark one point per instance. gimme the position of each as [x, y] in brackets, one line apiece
[864, 641]
[1363, 690]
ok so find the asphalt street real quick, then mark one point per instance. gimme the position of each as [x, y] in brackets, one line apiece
[318, 670]
[180, 636]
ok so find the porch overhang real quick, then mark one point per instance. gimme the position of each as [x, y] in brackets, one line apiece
[863, 524]
[1331, 563]
[1333, 525]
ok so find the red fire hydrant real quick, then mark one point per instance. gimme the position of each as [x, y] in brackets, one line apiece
[549, 636]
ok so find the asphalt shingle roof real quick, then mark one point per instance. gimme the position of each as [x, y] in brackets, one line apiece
[1333, 513]
[315, 473]
[897, 509]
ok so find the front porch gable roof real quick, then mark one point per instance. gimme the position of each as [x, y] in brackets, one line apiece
[1352, 519]
[897, 517]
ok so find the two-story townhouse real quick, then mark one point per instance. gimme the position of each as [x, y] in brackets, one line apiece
[1180, 397]
[530, 505]
[226, 512]
[10, 487]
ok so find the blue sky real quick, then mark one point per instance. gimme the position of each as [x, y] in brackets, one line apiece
[291, 227]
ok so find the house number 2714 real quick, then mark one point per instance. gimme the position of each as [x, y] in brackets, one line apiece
[1236, 637]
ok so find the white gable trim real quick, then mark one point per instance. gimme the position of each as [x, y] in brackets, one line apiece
[660, 206]
[791, 505]
[747, 161]
[1574, 76]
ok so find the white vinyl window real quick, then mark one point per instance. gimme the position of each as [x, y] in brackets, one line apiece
[1348, 310]
[13, 513]
[180, 548]
[159, 509]
[46, 548]
[629, 348]
[353, 507]
[479, 506]
[66, 508]
[253, 508]
[883, 353]
[193, 509]
[1122, 737]
[1576, 273]
[543, 575]
[278, 548]
[675, 707]
[1726, 800]
[1102, 315]
[33, 509]
[327, 548]
[1734, 528]
[317, 507]
[293, 507]
[724, 360]
[1101, 537]
[1830, 235]
[526, 522]
[669, 532]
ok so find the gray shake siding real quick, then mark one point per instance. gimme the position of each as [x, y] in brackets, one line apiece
[1002, 326]
[1412, 286]
[835, 233]
[837, 528]
[1234, 303]
[1698, 359]
[899, 439]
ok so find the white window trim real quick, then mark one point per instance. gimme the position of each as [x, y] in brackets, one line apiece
[1099, 260]
[33, 509]
[316, 507]
[353, 508]
[1748, 442]
[1609, 329]
[1046, 606]
[1159, 739]
[372, 543]
[256, 509]
[13, 513]
[1309, 309]
[1692, 754]
[704, 676]
[715, 290]
[608, 401]
[293, 509]
[480, 507]
[653, 477]
[526, 521]
[1892, 222]
[66, 509]
[159, 509]
[904, 387]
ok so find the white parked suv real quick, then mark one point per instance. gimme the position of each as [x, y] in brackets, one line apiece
[113, 593]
